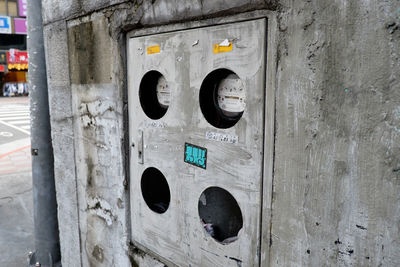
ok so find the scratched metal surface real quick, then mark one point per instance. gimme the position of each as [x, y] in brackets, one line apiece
[177, 235]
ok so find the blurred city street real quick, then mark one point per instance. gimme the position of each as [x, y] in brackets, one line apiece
[16, 207]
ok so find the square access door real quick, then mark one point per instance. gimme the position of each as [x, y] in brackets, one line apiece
[196, 116]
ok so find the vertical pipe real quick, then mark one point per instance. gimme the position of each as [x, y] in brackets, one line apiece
[47, 248]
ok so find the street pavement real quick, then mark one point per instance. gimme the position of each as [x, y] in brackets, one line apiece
[16, 207]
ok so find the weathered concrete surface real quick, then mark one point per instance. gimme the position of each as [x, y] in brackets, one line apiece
[16, 218]
[139, 258]
[150, 11]
[337, 152]
[97, 113]
[337, 180]
[63, 138]
[100, 176]
[54, 10]
[90, 52]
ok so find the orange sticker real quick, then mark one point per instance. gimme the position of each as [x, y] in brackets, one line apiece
[153, 49]
[218, 48]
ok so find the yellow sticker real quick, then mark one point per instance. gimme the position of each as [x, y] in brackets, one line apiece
[217, 48]
[153, 49]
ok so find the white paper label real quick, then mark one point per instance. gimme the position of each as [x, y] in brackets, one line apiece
[154, 124]
[227, 138]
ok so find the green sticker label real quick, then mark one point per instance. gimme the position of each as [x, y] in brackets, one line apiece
[195, 155]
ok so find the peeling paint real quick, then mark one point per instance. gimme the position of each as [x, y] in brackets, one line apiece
[102, 209]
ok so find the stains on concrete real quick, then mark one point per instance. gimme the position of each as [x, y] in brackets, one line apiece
[340, 168]
[392, 161]
[102, 209]
[133, 262]
[314, 50]
[91, 112]
[120, 203]
[134, 253]
[361, 227]
[392, 27]
[98, 254]
[90, 52]
[237, 261]
[139, 258]
[90, 169]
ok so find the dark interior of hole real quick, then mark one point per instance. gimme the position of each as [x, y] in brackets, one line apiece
[155, 190]
[209, 103]
[148, 95]
[220, 209]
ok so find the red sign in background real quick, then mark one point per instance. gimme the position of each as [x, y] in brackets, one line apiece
[2, 68]
[15, 56]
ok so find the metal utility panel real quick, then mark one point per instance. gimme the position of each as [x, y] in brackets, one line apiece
[196, 116]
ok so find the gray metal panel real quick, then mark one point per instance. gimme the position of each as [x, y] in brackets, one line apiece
[185, 59]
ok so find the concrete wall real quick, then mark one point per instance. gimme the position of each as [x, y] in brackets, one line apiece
[337, 153]
[336, 181]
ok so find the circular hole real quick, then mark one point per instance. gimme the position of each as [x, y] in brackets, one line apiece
[154, 94]
[222, 98]
[155, 190]
[220, 214]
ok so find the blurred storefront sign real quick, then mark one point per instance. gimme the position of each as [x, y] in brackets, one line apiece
[5, 24]
[2, 68]
[18, 66]
[22, 7]
[20, 26]
[17, 60]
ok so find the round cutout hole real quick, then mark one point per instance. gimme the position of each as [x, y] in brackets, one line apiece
[220, 214]
[154, 94]
[155, 190]
[222, 98]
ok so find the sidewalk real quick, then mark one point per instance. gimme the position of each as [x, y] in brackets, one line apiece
[15, 160]
[16, 219]
[16, 203]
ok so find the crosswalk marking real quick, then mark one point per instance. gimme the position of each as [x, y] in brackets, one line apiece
[14, 127]
[11, 118]
[14, 112]
[22, 122]
[16, 117]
